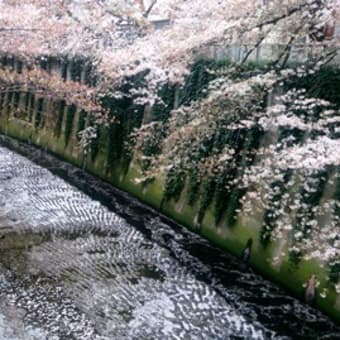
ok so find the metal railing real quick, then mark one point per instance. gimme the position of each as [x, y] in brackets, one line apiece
[301, 53]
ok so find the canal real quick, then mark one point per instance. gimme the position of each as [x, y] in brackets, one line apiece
[82, 260]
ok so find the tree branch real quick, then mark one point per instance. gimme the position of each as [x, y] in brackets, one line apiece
[148, 11]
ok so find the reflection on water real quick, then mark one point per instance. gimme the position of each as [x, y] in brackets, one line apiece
[75, 267]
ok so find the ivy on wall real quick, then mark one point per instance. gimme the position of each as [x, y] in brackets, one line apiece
[271, 215]
[95, 144]
[161, 111]
[193, 89]
[8, 102]
[70, 113]
[39, 113]
[2, 97]
[227, 196]
[334, 271]
[207, 197]
[337, 193]
[221, 194]
[31, 107]
[88, 74]
[19, 66]
[194, 186]
[307, 201]
[64, 65]
[60, 117]
[8, 60]
[310, 199]
[198, 79]
[324, 83]
[28, 97]
[124, 116]
[174, 184]
[44, 63]
[76, 67]
[81, 122]
[16, 100]
[234, 205]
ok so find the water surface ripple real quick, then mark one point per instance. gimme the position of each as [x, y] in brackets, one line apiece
[81, 260]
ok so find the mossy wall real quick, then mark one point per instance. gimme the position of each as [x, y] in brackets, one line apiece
[203, 205]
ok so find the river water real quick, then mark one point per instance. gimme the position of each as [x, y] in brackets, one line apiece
[81, 260]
